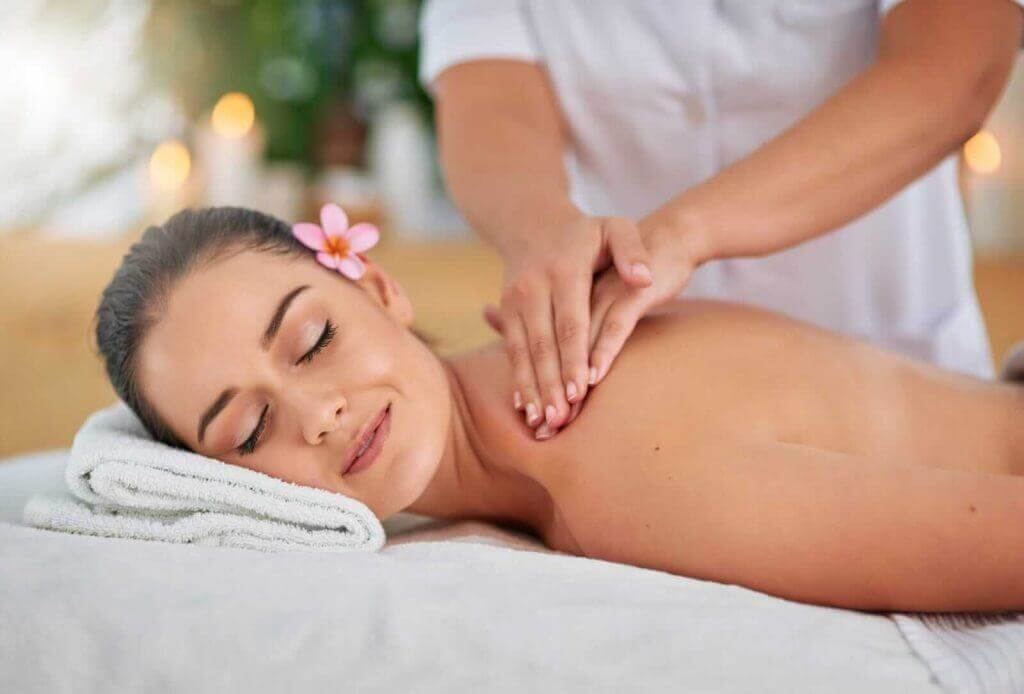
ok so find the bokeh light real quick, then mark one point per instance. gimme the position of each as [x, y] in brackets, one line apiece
[982, 153]
[233, 116]
[169, 165]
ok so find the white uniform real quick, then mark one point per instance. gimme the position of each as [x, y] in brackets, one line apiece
[661, 95]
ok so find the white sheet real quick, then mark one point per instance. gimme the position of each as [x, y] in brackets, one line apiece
[443, 607]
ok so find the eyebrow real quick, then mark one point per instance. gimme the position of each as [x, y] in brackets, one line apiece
[275, 323]
[213, 410]
[268, 336]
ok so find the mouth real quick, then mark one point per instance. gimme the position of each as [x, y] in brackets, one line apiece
[370, 444]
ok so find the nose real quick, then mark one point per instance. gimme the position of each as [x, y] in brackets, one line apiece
[320, 415]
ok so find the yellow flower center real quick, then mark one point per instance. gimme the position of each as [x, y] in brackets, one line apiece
[337, 246]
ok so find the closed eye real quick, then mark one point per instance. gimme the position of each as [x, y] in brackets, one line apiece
[325, 339]
[250, 443]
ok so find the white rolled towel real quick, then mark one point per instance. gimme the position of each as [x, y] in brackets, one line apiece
[123, 483]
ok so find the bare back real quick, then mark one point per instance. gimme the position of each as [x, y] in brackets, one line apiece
[715, 372]
[718, 424]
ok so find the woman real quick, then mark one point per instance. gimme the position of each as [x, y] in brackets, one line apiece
[778, 140]
[728, 443]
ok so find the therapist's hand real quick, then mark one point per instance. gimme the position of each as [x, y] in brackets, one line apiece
[545, 308]
[616, 307]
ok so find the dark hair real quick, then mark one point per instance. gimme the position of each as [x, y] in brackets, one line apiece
[135, 297]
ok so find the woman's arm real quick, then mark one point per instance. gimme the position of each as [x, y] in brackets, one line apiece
[941, 66]
[813, 526]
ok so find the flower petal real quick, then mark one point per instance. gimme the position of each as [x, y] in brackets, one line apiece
[310, 235]
[327, 260]
[351, 267]
[333, 219]
[362, 237]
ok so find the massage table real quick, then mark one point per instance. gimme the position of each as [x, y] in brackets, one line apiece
[445, 606]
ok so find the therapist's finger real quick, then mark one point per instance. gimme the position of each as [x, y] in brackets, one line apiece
[616, 325]
[570, 300]
[538, 319]
[601, 301]
[526, 396]
[632, 261]
[545, 432]
[493, 317]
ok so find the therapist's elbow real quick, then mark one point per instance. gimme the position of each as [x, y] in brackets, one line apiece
[973, 91]
[953, 110]
[978, 97]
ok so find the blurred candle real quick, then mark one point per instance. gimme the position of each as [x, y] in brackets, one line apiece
[401, 161]
[229, 147]
[982, 153]
[995, 203]
[283, 191]
[167, 179]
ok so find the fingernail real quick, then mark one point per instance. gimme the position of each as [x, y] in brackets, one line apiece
[570, 390]
[641, 270]
[593, 375]
[531, 413]
[549, 413]
[542, 432]
[517, 399]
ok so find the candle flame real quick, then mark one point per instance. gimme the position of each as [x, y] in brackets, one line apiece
[982, 153]
[169, 165]
[233, 116]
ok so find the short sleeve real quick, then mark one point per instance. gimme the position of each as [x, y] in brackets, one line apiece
[456, 31]
[886, 5]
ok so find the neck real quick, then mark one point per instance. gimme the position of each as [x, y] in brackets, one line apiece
[470, 481]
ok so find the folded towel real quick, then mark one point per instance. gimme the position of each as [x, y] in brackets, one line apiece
[123, 483]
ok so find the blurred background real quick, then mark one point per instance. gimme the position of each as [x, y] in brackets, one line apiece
[116, 113]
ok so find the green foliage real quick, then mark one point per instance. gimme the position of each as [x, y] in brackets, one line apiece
[297, 59]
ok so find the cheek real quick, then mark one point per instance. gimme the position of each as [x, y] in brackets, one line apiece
[290, 462]
[385, 361]
[429, 418]
[378, 363]
[420, 429]
[371, 356]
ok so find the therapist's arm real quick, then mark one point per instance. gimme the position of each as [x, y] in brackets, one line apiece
[942, 65]
[502, 140]
[940, 68]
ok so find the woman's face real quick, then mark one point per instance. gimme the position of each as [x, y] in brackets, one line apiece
[242, 359]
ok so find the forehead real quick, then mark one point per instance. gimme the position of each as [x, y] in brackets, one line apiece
[241, 282]
[207, 334]
[225, 300]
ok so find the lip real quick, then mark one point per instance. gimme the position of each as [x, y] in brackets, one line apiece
[376, 431]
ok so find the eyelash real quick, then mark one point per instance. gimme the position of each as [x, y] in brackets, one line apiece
[250, 443]
[326, 336]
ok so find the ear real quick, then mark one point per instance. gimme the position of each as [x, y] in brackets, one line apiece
[386, 291]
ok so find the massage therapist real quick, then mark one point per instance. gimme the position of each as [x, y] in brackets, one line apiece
[791, 154]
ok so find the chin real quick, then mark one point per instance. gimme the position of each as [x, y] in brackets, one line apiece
[404, 482]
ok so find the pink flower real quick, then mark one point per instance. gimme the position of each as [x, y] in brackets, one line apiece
[338, 246]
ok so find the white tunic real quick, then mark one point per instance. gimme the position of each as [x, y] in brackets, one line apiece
[660, 95]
